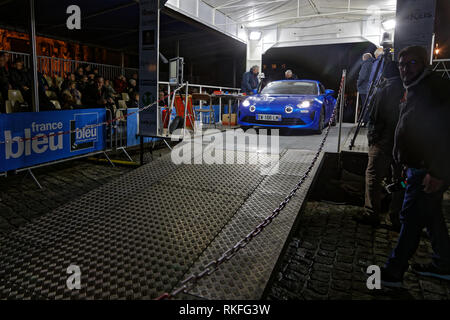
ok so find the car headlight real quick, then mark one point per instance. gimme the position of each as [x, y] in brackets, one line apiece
[246, 103]
[304, 104]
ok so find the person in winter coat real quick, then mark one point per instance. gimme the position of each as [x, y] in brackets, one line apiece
[250, 81]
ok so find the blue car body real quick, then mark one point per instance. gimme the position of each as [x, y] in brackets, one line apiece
[288, 110]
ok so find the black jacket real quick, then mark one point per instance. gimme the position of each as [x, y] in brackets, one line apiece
[4, 78]
[422, 136]
[385, 113]
[93, 96]
[19, 78]
[249, 82]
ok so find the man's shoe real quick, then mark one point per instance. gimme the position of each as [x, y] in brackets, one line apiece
[390, 281]
[368, 219]
[430, 270]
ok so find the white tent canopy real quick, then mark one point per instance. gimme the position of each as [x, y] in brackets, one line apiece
[297, 22]
[289, 23]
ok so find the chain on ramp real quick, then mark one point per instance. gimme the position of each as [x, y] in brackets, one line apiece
[190, 282]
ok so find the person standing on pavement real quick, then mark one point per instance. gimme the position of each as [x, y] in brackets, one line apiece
[422, 146]
[383, 121]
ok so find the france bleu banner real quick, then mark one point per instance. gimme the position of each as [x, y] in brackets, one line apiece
[28, 139]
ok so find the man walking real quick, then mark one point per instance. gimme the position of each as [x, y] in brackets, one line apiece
[422, 145]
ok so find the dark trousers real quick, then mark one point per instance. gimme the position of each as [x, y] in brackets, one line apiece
[420, 210]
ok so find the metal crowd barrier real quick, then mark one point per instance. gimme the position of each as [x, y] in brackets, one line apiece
[202, 88]
[120, 131]
[58, 67]
[109, 140]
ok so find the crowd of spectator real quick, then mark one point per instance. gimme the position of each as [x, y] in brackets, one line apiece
[86, 88]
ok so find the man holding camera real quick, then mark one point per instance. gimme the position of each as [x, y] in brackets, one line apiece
[422, 146]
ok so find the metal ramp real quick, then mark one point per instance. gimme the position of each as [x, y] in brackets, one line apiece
[361, 142]
[140, 235]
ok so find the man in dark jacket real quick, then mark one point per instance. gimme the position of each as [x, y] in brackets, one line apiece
[250, 81]
[20, 79]
[380, 135]
[95, 95]
[422, 145]
[363, 78]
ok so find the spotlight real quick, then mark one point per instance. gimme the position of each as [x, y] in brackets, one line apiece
[255, 35]
[389, 24]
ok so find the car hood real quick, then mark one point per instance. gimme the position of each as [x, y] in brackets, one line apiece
[274, 100]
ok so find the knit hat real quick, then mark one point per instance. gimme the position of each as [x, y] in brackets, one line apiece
[391, 70]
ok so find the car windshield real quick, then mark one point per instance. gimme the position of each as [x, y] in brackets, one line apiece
[291, 87]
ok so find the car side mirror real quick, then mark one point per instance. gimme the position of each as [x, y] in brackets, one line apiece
[329, 92]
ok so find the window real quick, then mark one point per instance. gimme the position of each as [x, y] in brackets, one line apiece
[322, 89]
[291, 87]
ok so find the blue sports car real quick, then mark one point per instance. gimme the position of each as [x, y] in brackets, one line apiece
[293, 104]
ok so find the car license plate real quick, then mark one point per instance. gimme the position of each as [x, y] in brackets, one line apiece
[268, 117]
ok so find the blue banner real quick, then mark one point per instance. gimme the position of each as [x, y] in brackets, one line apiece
[29, 139]
[132, 129]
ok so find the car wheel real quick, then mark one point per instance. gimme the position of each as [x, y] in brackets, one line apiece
[321, 122]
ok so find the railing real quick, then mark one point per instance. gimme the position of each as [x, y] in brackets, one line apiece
[57, 67]
[440, 66]
[202, 89]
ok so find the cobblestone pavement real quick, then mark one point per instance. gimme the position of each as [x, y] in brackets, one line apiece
[22, 201]
[326, 256]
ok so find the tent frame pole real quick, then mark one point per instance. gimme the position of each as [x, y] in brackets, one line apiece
[34, 58]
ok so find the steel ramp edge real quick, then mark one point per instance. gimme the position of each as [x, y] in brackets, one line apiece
[248, 273]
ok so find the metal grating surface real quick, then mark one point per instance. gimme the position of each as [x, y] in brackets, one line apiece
[138, 250]
[361, 142]
[141, 234]
[246, 275]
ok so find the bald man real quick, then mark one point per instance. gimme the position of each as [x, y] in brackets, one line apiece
[290, 76]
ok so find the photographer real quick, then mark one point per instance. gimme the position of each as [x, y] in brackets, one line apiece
[383, 119]
[422, 145]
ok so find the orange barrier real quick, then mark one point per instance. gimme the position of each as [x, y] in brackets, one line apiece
[179, 107]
